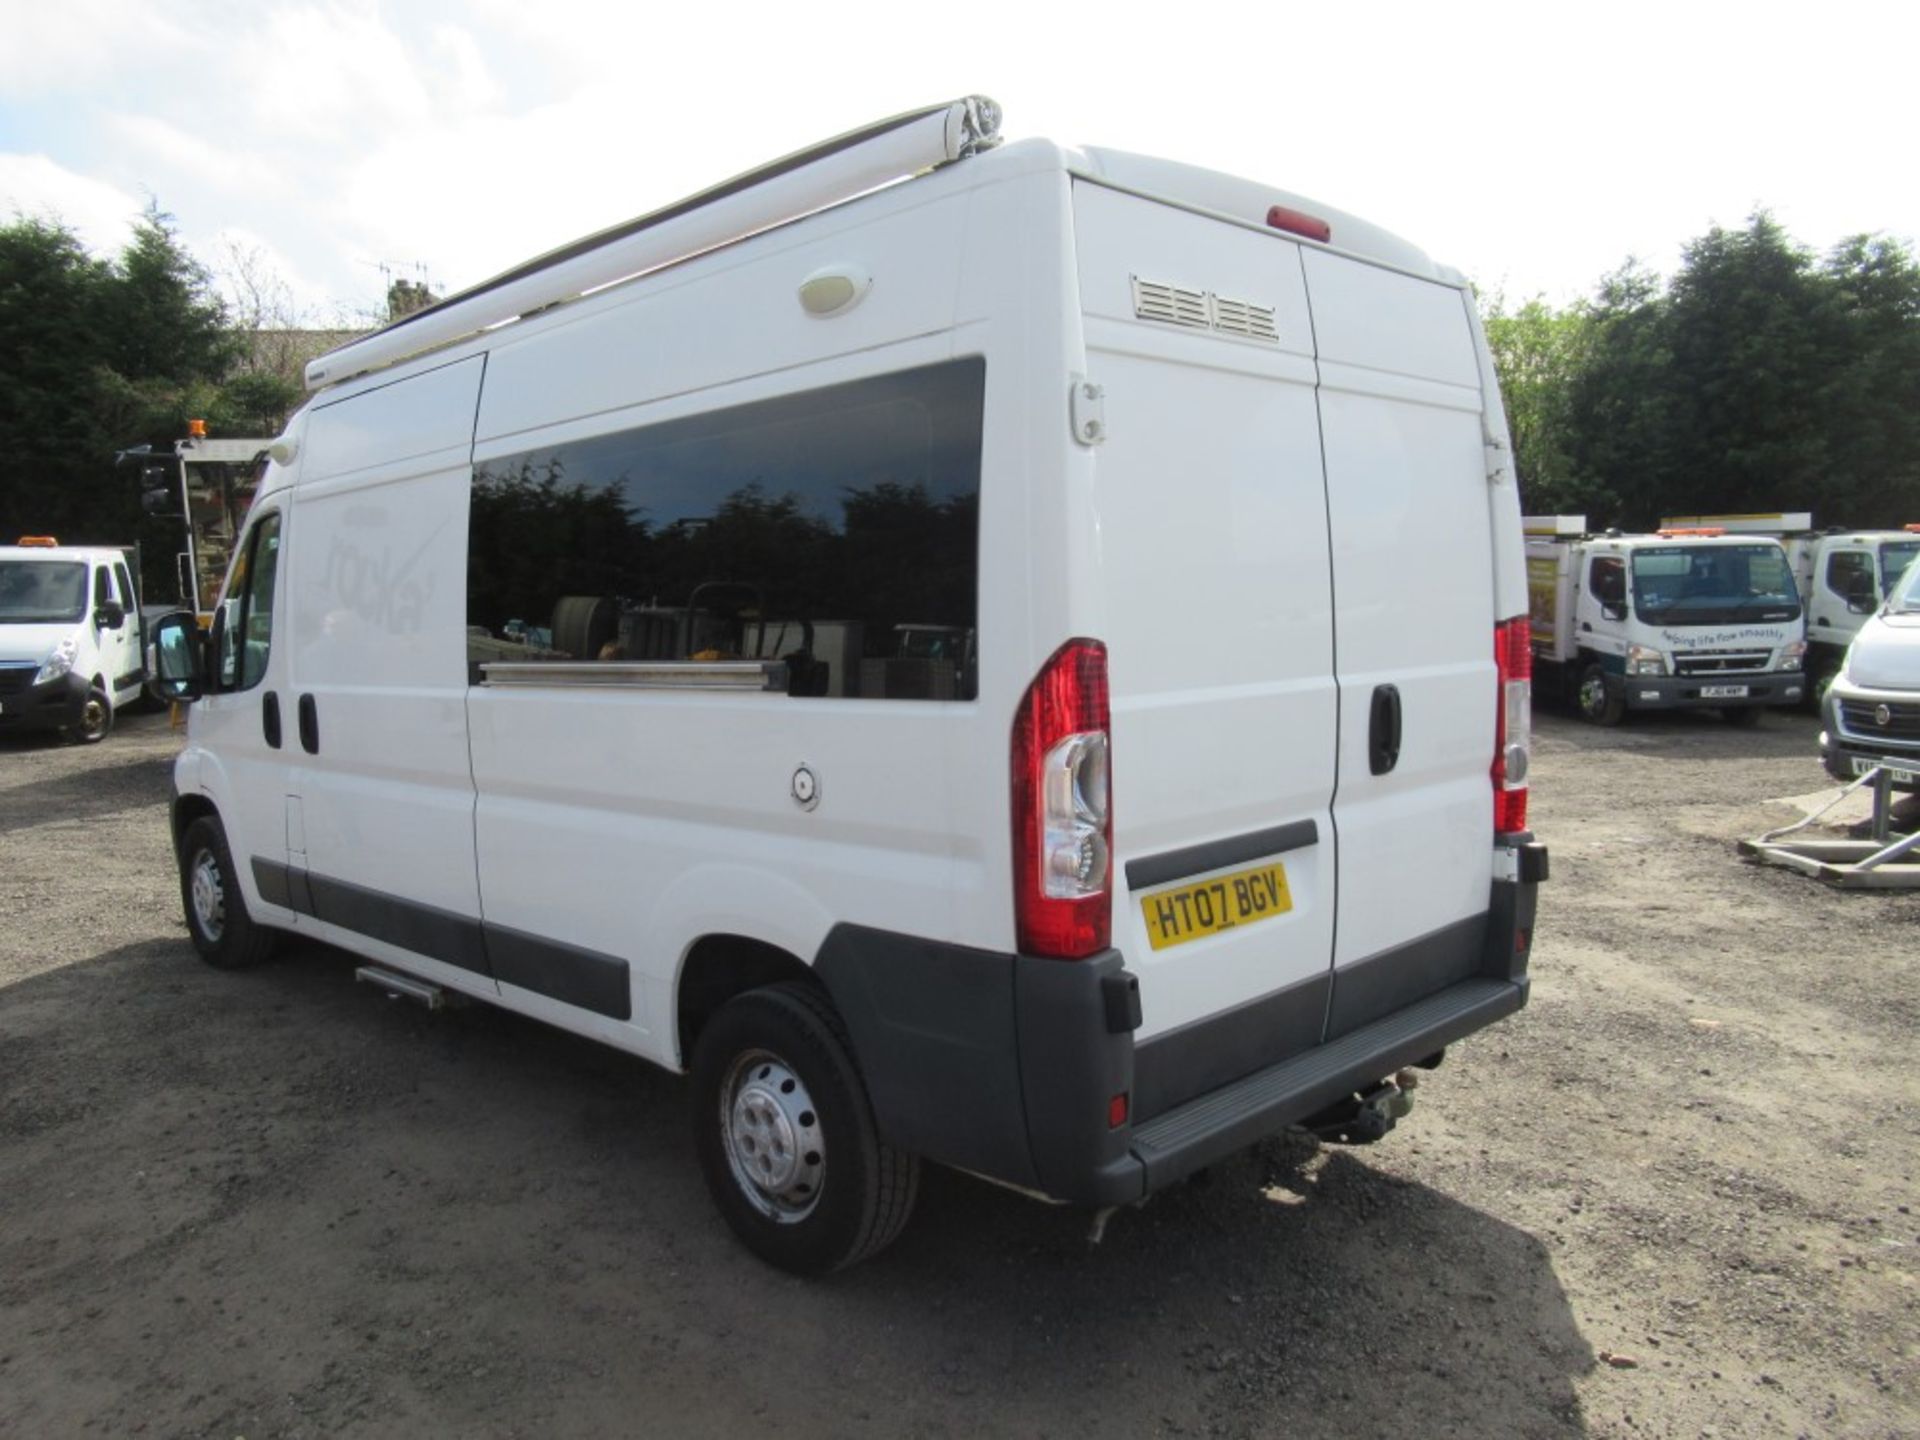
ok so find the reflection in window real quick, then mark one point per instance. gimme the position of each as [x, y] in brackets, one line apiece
[835, 530]
[246, 616]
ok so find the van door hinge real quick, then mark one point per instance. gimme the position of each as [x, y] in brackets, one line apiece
[1499, 457]
[1088, 410]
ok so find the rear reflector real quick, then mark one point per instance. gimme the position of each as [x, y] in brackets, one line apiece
[1298, 222]
[1117, 1111]
[1513, 724]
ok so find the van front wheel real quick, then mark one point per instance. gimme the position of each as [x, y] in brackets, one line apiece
[786, 1135]
[1599, 702]
[224, 934]
[96, 717]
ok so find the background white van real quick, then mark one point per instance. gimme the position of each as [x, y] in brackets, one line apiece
[1023, 668]
[70, 638]
[1872, 709]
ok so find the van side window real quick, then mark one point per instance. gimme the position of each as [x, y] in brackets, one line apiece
[1850, 574]
[246, 633]
[125, 583]
[1607, 579]
[836, 530]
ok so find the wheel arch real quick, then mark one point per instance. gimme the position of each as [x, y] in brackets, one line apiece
[718, 967]
[187, 809]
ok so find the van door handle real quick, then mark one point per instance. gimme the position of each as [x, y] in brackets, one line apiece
[270, 718]
[1383, 731]
[309, 726]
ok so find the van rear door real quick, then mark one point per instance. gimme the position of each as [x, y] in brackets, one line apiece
[1212, 523]
[1413, 575]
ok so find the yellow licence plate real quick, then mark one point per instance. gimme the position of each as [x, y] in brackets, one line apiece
[1210, 906]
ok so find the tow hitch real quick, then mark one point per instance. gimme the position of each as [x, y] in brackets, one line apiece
[1365, 1116]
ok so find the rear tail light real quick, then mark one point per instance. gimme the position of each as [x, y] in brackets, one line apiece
[1513, 724]
[1062, 807]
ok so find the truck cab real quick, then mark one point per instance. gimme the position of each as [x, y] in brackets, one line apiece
[70, 638]
[1689, 618]
[1843, 576]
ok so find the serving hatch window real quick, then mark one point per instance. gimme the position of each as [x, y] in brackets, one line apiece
[835, 530]
[1713, 584]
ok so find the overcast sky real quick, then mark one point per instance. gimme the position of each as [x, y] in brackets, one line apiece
[1534, 146]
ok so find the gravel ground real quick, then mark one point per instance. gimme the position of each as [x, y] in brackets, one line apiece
[1674, 1196]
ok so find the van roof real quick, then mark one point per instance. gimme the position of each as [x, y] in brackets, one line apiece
[908, 150]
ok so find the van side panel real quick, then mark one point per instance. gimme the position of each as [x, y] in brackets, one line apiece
[378, 663]
[631, 822]
[1400, 410]
[1211, 512]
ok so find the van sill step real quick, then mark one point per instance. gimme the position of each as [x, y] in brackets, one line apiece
[403, 987]
[1214, 1125]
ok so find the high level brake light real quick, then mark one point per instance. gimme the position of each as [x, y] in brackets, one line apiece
[1513, 724]
[1062, 807]
[1298, 222]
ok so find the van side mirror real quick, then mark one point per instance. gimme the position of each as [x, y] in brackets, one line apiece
[109, 615]
[177, 660]
[1861, 600]
[1613, 610]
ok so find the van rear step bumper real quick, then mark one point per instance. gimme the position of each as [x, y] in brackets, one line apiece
[1171, 1146]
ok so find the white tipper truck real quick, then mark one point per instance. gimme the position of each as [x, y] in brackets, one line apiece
[1688, 618]
[1842, 574]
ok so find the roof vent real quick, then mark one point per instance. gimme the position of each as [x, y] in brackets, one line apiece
[1240, 317]
[1170, 304]
[1203, 310]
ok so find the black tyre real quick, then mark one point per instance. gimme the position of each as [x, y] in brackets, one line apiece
[1743, 717]
[786, 1136]
[96, 717]
[224, 934]
[1598, 702]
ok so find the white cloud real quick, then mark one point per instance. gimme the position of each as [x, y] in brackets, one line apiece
[36, 186]
[217, 165]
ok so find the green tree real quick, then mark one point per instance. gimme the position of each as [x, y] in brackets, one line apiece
[96, 356]
[1870, 405]
[53, 305]
[1747, 327]
[1538, 352]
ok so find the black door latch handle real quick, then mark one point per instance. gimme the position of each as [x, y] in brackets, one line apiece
[309, 726]
[1383, 730]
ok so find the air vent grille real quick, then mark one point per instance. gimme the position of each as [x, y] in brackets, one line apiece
[1239, 317]
[1203, 310]
[1170, 304]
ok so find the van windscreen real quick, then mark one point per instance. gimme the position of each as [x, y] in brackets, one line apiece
[42, 591]
[834, 529]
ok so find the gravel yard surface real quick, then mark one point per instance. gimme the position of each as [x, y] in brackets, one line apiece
[1674, 1196]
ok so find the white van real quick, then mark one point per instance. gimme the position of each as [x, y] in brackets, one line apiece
[1023, 668]
[1872, 709]
[70, 651]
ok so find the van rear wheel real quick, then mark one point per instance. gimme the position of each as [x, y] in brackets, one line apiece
[224, 934]
[786, 1135]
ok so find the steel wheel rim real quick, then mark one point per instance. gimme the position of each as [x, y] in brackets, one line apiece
[1593, 695]
[93, 718]
[209, 896]
[771, 1133]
